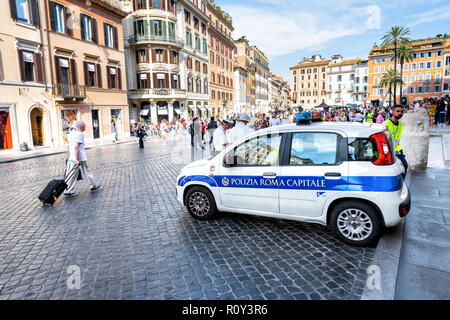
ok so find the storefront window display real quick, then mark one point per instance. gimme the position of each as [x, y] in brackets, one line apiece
[68, 120]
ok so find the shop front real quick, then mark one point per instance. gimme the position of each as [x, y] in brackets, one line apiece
[5, 129]
[162, 109]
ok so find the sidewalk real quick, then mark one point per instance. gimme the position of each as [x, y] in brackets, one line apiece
[424, 267]
[12, 156]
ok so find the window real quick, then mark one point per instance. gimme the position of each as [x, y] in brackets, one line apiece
[157, 4]
[205, 47]
[439, 64]
[189, 38]
[159, 55]
[259, 151]
[143, 55]
[171, 27]
[413, 77]
[25, 11]
[420, 77]
[28, 65]
[139, 28]
[90, 74]
[197, 42]
[111, 34]
[429, 65]
[157, 28]
[313, 148]
[174, 57]
[143, 81]
[411, 89]
[421, 65]
[362, 149]
[114, 78]
[59, 18]
[187, 17]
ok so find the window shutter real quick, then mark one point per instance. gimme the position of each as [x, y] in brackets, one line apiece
[149, 85]
[153, 56]
[86, 77]
[152, 27]
[69, 23]
[108, 77]
[82, 26]
[52, 15]
[119, 77]
[58, 77]
[137, 56]
[163, 4]
[138, 81]
[164, 28]
[38, 62]
[21, 65]
[73, 65]
[165, 56]
[166, 80]
[99, 76]
[94, 30]
[155, 81]
[35, 13]
[105, 33]
[12, 7]
[116, 44]
[147, 55]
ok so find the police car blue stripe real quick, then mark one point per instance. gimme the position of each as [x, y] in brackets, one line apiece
[349, 183]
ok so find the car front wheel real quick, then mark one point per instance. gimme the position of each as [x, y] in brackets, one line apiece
[356, 223]
[200, 203]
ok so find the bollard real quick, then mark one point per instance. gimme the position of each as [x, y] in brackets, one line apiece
[415, 139]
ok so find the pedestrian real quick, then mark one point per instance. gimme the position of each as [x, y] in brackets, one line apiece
[203, 131]
[197, 134]
[114, 130]
[441, 113]
[370, 116]
[358, 117]
[432, 113]
[141, 134]
[241, 129]
[212, 126]
[220, 137]
[274, 121]
[395, 126]
[77, 157]
[380, 117]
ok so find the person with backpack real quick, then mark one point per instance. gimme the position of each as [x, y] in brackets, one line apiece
[140, 133]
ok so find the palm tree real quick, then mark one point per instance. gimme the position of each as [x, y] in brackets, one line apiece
[404, 54]
[394, 37]
[390, 79]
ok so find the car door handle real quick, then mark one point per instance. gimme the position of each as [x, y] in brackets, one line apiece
[269, 174]
[332, 174]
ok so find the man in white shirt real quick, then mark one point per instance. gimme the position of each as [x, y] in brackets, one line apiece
[77, 157]
[220, 137]
[241, 129]
[274, 121]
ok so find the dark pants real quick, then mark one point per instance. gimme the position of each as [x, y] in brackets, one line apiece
[400, 155]
[192, 140]
[141, 143]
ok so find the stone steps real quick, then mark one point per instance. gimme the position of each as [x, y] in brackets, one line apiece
[446, 148]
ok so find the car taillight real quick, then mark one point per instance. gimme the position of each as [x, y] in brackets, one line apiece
[384, 154]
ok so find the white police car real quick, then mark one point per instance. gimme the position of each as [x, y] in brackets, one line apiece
[344, 175]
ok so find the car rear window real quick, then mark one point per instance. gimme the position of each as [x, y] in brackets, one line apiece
[362, 149]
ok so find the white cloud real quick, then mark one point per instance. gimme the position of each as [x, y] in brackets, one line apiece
[441, 13]
[278, 31]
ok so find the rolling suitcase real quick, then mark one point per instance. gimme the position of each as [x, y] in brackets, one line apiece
[54, 189]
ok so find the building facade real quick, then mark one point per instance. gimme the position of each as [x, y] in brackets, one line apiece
[286, 102]
[262, 75]
[221, 49]
[167, 59]
[275, 83]
[60, 70]
[361, 82]
[243, 60]
[309, 82]
[422, 77]
[88, 67]
[341, 81]
[446, 80]
[240, 87]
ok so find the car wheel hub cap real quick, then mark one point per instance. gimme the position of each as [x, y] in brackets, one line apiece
[354, 224]
[199, 204]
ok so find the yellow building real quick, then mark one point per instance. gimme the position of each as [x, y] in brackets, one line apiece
[221, 48]
[422, 77]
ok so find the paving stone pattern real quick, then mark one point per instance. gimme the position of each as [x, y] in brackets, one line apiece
[133, 240]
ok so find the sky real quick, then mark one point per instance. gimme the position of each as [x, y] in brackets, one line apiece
[288, 30]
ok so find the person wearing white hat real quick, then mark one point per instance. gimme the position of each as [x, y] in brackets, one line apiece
[241, 129]
[220, 137]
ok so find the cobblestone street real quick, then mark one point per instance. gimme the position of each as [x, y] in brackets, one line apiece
[133, 240]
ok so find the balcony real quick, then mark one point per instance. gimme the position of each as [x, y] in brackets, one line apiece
[212, 25]
[71, 91]
[152, 38]
[162, 92]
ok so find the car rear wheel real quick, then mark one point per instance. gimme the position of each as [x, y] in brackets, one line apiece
[200, 203]
[356, 223]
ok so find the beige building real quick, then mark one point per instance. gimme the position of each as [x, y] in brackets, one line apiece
[309, 81]
[88, 69]
[221, 49]
[65, 63]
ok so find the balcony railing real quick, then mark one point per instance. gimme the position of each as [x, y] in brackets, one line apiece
[150, 37]
[70, 91]
[221, 32]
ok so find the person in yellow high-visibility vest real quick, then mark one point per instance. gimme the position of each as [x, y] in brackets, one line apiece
[370, 116]
[395, 126]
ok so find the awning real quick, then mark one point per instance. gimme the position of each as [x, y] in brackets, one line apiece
[202, 109]
[418, 99]
[190, 106]
[144, 112]
[178, 111]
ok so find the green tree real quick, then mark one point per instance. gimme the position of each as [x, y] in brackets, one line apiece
[390, 79]
[393, 38]
[404, 54]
